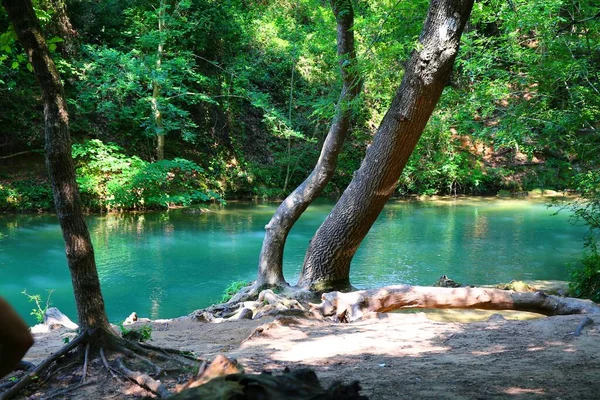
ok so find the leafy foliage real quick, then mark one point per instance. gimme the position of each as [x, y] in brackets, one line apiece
[232, 289]
[586, 273]
[247, 90]
[25, 195]
[142, 334]
[108, 179]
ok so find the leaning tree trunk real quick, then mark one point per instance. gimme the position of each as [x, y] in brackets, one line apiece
[327, 262]
[80, 254]
[270, 271]
[352, 306]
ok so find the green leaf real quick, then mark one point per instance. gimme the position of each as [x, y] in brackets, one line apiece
[30, 67]
[15, 65]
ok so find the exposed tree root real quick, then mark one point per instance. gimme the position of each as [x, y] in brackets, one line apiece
[86, 357]
[143, 380]
[584, 322]
[277, 301]
[60, 393]
[43, 366]
[113, 352]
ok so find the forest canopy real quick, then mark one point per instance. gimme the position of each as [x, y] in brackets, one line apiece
[237, 96]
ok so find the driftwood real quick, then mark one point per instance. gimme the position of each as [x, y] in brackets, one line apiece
[352, 306]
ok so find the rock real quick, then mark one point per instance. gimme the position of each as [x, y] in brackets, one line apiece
[444, 281]
[517, 286]
[54, 318]
[246, 313]
[131, 319]
[496, 318]
[300, 384]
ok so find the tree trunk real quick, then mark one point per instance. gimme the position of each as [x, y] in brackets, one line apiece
[61, 26]
[270, 271]
[156, 113]
[352, 306]
[327, 262]
[80, 253]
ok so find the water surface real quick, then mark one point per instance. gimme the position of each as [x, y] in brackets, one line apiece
[167, 264]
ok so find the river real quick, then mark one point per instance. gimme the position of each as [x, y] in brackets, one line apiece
[167, 264]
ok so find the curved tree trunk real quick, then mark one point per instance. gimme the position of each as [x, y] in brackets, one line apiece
[80, 254]
[327, 262]
[270, 271]
[351, 306]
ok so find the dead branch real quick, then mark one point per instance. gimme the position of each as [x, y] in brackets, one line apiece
[20, 153]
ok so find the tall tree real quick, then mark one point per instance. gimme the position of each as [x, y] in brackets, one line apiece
[327, 262]
[80, 253]
[270, 269]
[95, 330]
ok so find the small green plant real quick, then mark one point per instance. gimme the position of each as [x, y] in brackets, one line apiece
[585, 278]
[232, 289]
[142, 334]
[39, 310]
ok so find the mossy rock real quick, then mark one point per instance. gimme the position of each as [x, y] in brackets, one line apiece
[444, 281]
[516, 286]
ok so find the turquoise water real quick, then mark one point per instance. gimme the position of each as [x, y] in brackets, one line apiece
[168, 264]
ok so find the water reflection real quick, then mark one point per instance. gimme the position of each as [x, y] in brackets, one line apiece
[168, 264]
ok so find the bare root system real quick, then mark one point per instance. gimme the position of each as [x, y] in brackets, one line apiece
[127, 362]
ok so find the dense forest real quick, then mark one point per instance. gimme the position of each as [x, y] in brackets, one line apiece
[161, 104]
[180, 102]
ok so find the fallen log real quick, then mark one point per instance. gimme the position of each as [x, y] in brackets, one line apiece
[347, 307]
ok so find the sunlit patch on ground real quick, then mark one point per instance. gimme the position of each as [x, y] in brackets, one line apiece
[515, 391]
[452, 315]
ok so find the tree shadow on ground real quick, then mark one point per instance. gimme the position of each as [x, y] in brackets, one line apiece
[409, 356]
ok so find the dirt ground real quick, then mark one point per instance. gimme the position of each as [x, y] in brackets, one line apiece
[395, 356]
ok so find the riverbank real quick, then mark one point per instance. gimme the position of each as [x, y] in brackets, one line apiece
[393, 356]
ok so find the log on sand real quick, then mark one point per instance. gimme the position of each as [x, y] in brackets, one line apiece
[352, 306]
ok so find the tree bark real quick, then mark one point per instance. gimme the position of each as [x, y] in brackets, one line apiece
[270, 270]
[327, 262]
[354, 305]
[80, 253]
[61, 25]
[156, 112]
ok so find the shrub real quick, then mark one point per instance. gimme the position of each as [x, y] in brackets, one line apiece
[232, 289]
[26, 195]
[109, 179]
[585, 279]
